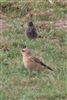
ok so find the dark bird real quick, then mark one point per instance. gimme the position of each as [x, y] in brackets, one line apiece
[31, 31]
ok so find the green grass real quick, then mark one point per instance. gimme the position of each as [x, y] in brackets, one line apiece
[15, 83]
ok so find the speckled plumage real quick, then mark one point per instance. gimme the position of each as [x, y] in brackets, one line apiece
[31, 31]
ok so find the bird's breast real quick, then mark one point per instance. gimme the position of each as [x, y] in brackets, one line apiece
[25, 61]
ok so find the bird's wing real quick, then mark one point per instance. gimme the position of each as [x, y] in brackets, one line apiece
[38, 61]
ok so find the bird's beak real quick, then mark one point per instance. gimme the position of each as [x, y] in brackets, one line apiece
[23, 50]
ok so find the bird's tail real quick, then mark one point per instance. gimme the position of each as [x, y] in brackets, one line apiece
[49, 68]
[46, 66]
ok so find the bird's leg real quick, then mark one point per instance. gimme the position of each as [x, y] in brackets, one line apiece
[30, 73]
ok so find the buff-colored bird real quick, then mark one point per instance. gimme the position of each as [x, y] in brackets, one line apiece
[33, 63]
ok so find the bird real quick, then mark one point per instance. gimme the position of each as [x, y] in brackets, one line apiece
[32, 63]
[31, 31]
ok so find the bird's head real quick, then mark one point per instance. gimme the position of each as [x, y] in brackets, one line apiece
[30, 23]
[26, 51]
